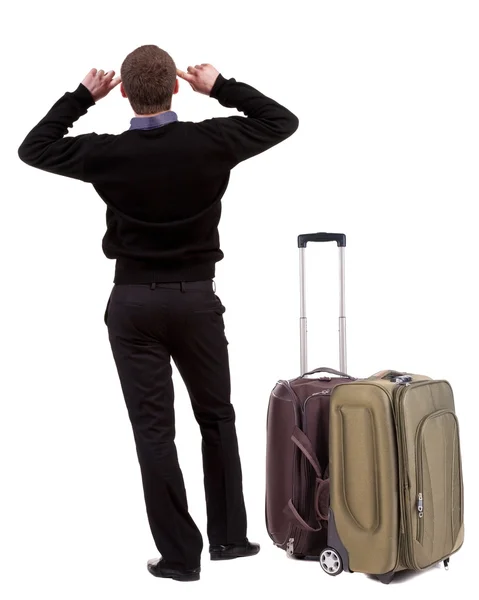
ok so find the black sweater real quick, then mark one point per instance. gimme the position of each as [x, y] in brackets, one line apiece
[162, 187]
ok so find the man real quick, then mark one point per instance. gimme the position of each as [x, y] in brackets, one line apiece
[162, 181]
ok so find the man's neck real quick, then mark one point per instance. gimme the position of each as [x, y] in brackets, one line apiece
[152, 114]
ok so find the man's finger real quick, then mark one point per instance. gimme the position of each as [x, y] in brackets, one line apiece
[110, 74]
[101, 72]
[115, 82]
[184, 75]
[191, 70]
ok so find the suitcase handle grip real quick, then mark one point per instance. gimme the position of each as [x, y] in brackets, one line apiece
[339, 238]
[330, 371]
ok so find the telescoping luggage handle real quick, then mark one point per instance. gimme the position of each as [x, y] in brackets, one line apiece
[303, 240]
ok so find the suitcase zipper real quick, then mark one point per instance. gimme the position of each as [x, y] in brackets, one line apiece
[403, 479]
[419, 483]
[297, 414]
[420, 518]
[295, 534]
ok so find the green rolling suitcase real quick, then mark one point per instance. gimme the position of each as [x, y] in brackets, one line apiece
[396, 488]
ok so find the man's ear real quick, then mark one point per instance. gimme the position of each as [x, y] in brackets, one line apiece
[122, 90]
[177, 86]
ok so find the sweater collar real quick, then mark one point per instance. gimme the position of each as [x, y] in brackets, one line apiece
[153, 122]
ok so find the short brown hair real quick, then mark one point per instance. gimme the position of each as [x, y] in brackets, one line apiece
[148, 75]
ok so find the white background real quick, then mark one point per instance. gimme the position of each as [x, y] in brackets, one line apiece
[387, 151]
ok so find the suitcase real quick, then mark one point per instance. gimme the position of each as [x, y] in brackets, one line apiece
[297, 483]
[365, 474]
[397, 497]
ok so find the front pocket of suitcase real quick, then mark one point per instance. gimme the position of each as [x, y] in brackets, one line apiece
[316, 427]
[439, 502]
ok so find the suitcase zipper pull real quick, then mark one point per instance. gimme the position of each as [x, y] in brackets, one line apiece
[403, 380]
[420, 508]
[290, 547]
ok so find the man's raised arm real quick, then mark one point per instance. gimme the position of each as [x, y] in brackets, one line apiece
[266, 123]
[46, 146]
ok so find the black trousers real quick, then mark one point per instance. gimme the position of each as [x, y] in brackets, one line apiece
[149, 325]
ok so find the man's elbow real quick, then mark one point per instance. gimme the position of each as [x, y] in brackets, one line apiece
[24, 155]
[31, 155]
[290, 124]
[294, 123]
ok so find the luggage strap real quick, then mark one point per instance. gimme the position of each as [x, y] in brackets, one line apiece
[321, 495]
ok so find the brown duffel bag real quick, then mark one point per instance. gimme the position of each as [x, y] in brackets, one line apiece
[297, 481]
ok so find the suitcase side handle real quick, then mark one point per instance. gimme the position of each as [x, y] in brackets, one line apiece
[339, 238]
[321, 497]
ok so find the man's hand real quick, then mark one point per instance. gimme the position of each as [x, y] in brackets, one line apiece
[201, 78]
[100, 83]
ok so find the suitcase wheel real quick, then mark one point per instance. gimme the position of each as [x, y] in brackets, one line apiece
[330, 561]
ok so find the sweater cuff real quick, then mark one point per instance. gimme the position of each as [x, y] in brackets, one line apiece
[83, 95]
[216, 89]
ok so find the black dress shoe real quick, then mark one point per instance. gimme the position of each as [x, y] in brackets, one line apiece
[159, 568]
[229, 551]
